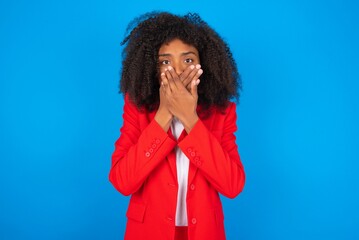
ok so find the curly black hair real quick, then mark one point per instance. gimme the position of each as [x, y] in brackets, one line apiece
[220, 81]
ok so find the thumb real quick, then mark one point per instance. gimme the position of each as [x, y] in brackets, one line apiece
[194, 85]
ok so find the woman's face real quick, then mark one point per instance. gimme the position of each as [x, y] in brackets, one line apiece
[178, 55]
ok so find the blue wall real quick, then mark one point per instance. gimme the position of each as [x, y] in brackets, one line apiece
[297, 120]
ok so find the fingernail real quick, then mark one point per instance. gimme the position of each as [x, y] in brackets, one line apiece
[169, 68]
[166, 69]
[200, 71]
[192, 67]
[197, 82]
[198, 66]
[162, 74]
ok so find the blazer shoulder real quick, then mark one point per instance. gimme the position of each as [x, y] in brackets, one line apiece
[229, 109]
[142, 114]
[231, 106]
[130, 105]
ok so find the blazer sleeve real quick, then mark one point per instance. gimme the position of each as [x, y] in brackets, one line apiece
[218, 160]
[137, 151]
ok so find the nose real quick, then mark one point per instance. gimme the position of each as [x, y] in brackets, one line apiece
[178, 67]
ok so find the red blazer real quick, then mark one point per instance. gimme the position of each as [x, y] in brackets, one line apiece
[144, 166]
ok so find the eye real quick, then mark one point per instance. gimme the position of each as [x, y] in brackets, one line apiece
[164, 62]
[188, 60]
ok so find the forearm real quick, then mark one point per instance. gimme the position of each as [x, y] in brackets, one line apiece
[138, 151]
[189, 121]
[216, 155]
[164, 118]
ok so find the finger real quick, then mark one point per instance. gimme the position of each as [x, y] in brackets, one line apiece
[195, 74]
[196, 77]
[174, 77]
[170, 81]
[186, 78]
[164, 82]
[194, 85]
[187, 72]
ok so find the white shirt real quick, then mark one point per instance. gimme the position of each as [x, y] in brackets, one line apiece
[182, 165]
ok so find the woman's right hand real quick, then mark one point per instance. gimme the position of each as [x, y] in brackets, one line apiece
[163, 115]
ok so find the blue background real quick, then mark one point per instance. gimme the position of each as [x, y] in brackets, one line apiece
[297, 120]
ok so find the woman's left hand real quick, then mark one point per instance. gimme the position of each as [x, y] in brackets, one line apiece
[181, 102]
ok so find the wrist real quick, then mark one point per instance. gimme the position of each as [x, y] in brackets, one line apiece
[190, 122]
[164, 118]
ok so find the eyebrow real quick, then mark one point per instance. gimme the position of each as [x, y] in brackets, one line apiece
[182, 54]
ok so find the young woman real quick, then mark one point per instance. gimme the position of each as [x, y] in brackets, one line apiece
[177, 149]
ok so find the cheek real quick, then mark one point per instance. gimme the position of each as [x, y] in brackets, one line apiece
[198, 61]
[161, 68]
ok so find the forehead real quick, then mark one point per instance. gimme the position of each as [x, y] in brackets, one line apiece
[176, 46]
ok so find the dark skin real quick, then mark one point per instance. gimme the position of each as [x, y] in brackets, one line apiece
[180, 72]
